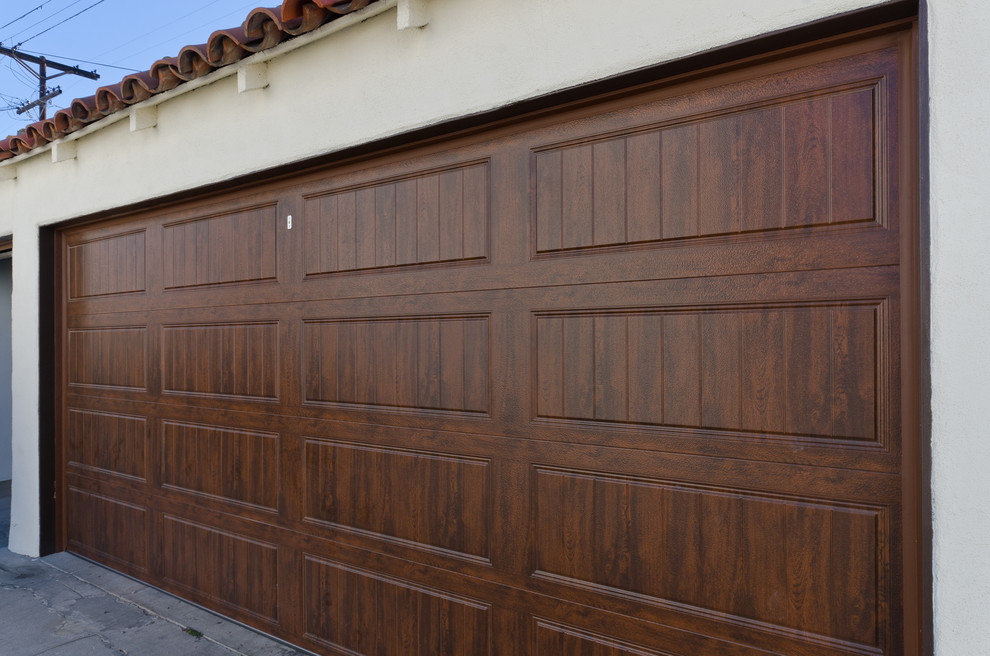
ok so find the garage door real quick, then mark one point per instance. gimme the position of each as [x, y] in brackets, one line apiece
[629, 377]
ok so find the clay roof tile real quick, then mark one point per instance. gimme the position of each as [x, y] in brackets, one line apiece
[262, 29]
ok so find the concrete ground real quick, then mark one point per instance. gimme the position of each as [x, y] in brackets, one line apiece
[62, 605]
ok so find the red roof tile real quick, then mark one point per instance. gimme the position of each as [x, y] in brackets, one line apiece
[262, 29]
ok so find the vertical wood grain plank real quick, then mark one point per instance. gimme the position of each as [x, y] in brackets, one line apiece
[719, 175]
[406, 209]
[579, 368]
[643, 184]
[550, 384]
[365, 236]
[428, 225]
[681, 370]
[611, 370]
[346, 231]
[578, 202]
[679, 181]
[806, 163]
[854, 372]
[760, 169]
[452, 364]
[853, 144]
[808, 384]
[385, 225]
[475, 211]
[646, 366]
[609, 192]
[429, 364]
[720, 370]
[477, 374]
[763, 371]
[549, 203]
[451, 215]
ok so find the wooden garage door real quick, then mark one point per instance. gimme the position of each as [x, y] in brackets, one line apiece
[631, 377]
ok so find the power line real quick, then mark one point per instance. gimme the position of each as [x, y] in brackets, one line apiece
[46, 18]
[98, 2]
[25, 14]
[81, 61]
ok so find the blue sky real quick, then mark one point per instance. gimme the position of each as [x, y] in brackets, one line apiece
[118, 36]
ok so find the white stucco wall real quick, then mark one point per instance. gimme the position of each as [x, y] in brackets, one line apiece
[371, 80]
[960, 283]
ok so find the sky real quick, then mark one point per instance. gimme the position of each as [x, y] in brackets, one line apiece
[112, 37]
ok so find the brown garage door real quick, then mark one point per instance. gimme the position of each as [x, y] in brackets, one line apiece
[631, 377]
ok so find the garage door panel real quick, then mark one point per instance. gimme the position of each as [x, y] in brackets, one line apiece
[435, 363]
[237, 360]
[108, 443]
[426, 498]
[745, 369]
[193, 454]
[110, 530]
[790, 562]
[107, 266]
[229, 569]
[745, 169]
[366, 613]
[431, 217]
[112, 357]
[239, 246]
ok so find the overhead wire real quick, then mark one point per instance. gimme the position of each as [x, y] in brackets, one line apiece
[62, 22]
[76, 59]
[46, 18]
[24, 15]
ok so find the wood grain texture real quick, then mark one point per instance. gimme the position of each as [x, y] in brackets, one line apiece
[111, 265]
[815, 563]
[108, 357]
[753, 369]
[415, 363]
[430, 499]
[193, 454]
[108, 442]
[239, 360]
[110, 530]
[795, 163]
[224, 567]
[433, 217]
[360, 612]
[230, 248]
[634, 377]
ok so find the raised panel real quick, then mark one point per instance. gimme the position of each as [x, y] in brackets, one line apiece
[427, 218]
[794, 564]
[438, 363]
[431, 500]
[796, 162]
[229, 464]
[235, 360]
[107, 442]
[554, 639]
[111, 265]
[235, 247]
[809, 371]
[360, 612]
[108, 528]
[230, 569]
[109, 357]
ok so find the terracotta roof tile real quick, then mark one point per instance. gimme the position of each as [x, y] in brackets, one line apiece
[262, 29]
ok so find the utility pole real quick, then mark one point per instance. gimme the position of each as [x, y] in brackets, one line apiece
[44, 93]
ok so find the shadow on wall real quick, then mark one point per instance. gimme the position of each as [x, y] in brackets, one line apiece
[5, 370]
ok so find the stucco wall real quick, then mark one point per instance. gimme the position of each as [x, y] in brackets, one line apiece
[371, 80]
